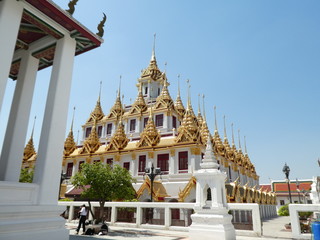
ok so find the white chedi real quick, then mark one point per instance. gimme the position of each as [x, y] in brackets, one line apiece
[211, 218]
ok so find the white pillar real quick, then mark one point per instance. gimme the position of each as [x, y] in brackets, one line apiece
[14, 141]
[10, 17]
[48, 166]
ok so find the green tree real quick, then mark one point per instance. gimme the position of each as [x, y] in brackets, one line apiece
[284, 210]
[106, 184]
[26, 175]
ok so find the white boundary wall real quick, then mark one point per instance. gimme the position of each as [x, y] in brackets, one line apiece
[255, 208]
[294, 209]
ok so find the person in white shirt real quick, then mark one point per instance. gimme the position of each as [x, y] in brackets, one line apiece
[82, 220]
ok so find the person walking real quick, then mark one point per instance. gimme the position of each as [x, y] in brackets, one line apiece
[82, 220]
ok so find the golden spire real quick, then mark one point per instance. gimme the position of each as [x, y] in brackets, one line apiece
[117, 109]
[239, 154]
[69, 143]
[119, 140]
[29, 149]
[218, 146]
[188, 130]
[204, 109]
[233, 145]
[164, 100]
[92, 143]
[97, 113]
[229, 152]
[204, 130]
[152, 71]
[199, 117]
[139, 106]
[178, 103]
[149, 136]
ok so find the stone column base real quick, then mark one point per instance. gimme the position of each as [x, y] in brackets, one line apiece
[211, 226]
[32, 223]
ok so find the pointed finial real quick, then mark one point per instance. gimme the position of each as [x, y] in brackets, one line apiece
[122, 100]
[74, 109]
[119, 87]
[239, 138]
[203, 108]
[178, 85]
[153, 57]
[245, 145]
[34, 122]
[199, 109]
[165, 67]
[215, 119]
[78, 137]
[189, 100]
[100, 91]
[232, 134]
[224, 126]
[101, 25]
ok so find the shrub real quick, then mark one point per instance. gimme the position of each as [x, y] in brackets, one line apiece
[284, 210]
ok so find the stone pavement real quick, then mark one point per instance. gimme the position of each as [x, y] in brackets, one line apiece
[272, 229]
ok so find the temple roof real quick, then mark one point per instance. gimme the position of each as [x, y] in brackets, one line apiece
[34, 28]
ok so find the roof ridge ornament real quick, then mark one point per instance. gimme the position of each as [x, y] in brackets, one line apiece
[101, 25]
[71, 5]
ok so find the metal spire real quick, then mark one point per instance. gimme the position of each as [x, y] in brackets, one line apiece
[199, 109]
[215, 119]
[232, 134]
[100, 91]
[203, 108]
[239, 139]
[224, 126]
[189, 100]
[153, 57]
[178, 85]
[119, 87]
[74, 109]
[34, 122]
[245, 145]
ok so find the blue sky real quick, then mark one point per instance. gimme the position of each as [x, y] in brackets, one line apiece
[257, 61]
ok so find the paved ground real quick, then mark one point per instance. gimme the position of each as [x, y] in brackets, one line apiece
[272, 229]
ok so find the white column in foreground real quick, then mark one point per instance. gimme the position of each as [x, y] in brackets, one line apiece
[10, 17]
[48, 165]
[14, 141]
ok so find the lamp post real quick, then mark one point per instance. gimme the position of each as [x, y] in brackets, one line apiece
[298, 189]
[63, 176]
[152, 173]
[286, 171]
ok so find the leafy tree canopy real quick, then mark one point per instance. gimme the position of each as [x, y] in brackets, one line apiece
[102, 183]
[26, 175]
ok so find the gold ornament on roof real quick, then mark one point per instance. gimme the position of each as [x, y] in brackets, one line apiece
[199, 117]
[217, 143]
[97, 113]
[188, 131]
[139, 106]
[29, 149]
[119, 140]
[117, 109]
[178, 105]
[164, 100]
[101, 25]
[150, 136]
[204, 130]
[71, 5]
[152, 71]
[92, 143]
[69, 144]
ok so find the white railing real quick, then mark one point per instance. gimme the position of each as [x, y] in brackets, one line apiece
[294, 210]
[167, 207]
